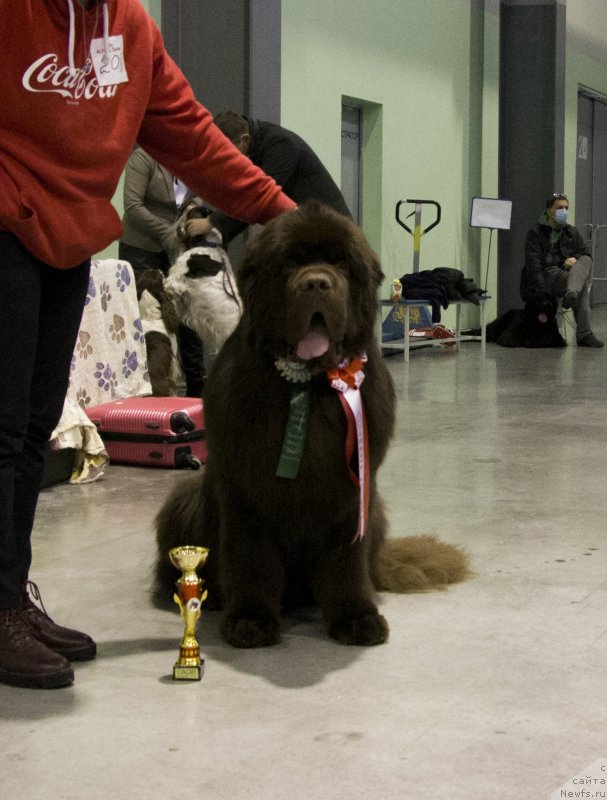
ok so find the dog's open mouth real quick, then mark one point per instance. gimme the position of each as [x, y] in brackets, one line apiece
[315, 342]
[317, 346]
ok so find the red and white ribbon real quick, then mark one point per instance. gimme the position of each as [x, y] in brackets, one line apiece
[346, 379]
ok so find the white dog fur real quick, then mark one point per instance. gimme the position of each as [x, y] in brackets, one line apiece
[210, 305]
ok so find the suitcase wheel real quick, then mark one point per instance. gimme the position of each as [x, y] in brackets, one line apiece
[185, 460]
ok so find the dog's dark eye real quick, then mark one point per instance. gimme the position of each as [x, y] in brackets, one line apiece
[198, 212]
[200, 266]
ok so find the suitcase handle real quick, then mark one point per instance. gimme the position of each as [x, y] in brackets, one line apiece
[181, 422]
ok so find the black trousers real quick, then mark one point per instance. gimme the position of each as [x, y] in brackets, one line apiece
[40, 313]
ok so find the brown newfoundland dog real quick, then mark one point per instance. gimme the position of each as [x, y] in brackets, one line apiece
[288, 503]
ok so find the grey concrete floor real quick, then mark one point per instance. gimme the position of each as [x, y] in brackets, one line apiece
[492, 689]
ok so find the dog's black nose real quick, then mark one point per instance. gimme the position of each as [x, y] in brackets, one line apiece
[315, 283]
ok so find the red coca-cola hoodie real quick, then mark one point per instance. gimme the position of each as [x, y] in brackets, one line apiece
[65, 137]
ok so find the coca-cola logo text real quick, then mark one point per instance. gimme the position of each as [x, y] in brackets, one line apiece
[45, 75]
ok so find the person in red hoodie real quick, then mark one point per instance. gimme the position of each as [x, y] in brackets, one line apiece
[81, 82]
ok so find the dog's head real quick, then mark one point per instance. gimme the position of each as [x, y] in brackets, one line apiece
[309, 286]
[546, 307]
[199, 257]
[541, 325]
[192, 211]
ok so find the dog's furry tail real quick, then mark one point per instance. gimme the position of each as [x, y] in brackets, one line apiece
[177, 523]
[420, 563]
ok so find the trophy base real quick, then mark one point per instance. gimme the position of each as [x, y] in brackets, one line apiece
[187, 672]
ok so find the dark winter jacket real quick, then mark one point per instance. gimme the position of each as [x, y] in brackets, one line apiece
[284, 156]
[427, 286]
[440, 286]
[458, 286]
[539, 258]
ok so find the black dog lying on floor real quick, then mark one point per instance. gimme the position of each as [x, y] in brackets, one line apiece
[524, 328]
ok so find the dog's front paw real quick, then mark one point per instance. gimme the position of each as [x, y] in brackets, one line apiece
[368, 630]
[243, 632]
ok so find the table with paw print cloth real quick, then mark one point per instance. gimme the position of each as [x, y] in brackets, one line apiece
[109, 362]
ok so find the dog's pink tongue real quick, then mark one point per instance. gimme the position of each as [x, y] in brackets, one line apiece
[314, 344]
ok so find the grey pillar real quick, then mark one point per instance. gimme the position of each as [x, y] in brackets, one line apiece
[531, 125]
[264, 60]
[230, 52]
[209, 40]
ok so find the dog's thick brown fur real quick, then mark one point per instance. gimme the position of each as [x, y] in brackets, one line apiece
[277, 542]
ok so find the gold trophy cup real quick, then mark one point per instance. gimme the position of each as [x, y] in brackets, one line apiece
[189, 597]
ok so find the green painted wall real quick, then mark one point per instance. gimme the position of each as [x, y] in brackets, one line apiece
[154, 8]
[422, 63]
[432, 69]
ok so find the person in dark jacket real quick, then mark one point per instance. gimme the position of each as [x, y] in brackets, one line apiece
[558, 266]
[284, 156]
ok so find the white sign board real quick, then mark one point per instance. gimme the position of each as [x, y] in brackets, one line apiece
[489, 212]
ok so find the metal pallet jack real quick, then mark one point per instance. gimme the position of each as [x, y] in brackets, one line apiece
[417, 231]
[419, 316]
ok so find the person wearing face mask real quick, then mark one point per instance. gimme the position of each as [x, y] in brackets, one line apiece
[558, 266]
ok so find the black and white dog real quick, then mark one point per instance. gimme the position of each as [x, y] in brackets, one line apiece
[201, 283]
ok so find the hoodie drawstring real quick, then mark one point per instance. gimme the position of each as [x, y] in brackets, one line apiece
[72, 38]
[106, 29]
[72, 34]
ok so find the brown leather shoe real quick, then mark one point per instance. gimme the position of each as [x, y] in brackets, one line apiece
[24, 660]
[72, 644]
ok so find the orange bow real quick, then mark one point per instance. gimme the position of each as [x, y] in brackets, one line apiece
[347, 374]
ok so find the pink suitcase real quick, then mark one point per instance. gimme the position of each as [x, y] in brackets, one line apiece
[152, 431]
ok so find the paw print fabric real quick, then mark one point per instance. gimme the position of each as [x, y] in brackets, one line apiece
[109, 359]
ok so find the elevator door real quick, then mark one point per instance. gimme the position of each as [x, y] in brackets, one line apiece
[591, 187]
[351, 169]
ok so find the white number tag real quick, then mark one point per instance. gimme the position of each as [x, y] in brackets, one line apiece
[109, 65]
